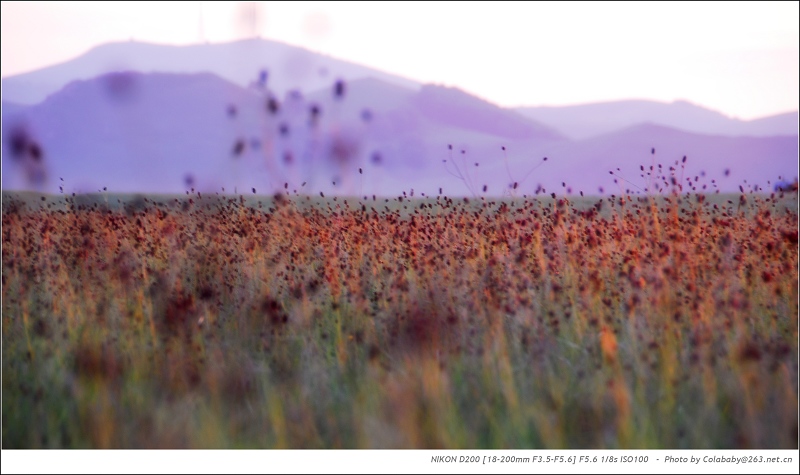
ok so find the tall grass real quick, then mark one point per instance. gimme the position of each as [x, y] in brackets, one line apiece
[208, 322]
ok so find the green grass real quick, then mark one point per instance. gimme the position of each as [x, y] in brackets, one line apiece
[306, 323]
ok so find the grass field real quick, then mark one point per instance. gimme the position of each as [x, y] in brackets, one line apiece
[295, 322]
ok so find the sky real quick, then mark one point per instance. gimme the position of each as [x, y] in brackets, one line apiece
[738, 58]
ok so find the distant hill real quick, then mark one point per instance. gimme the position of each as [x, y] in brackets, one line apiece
[781, 124]
[758, 160]
[589, 120]
[159, 132]
[240, 62]
[132, 132]
[164, 132]
[455, 107]
[11, 108]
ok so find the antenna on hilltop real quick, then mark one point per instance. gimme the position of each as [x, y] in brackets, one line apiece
[254, 12]
[200, 24]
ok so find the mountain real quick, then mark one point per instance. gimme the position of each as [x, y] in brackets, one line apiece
[781, 124]
[129, 131]
[417, 127]
[11, 109]
[748, 161]
[240, 62]
[455, 107]
[164, 132]
[585, 165]
[590, 120]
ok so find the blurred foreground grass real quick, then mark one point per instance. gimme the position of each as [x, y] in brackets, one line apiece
[274, 322]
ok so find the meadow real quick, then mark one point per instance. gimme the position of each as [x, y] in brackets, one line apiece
[206, 321]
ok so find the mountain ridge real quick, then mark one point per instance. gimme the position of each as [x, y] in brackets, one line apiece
[288, 67]
[583, 121]
[165, 132]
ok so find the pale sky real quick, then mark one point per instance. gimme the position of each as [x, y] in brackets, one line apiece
[738, 58]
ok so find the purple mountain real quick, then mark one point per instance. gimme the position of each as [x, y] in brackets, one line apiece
[158, 132]
[729, 161]
[591, 120]
[168, 132]
[284, 67]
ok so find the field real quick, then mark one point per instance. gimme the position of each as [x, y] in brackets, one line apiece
[290, 322]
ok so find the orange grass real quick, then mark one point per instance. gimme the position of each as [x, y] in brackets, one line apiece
[668, 322]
